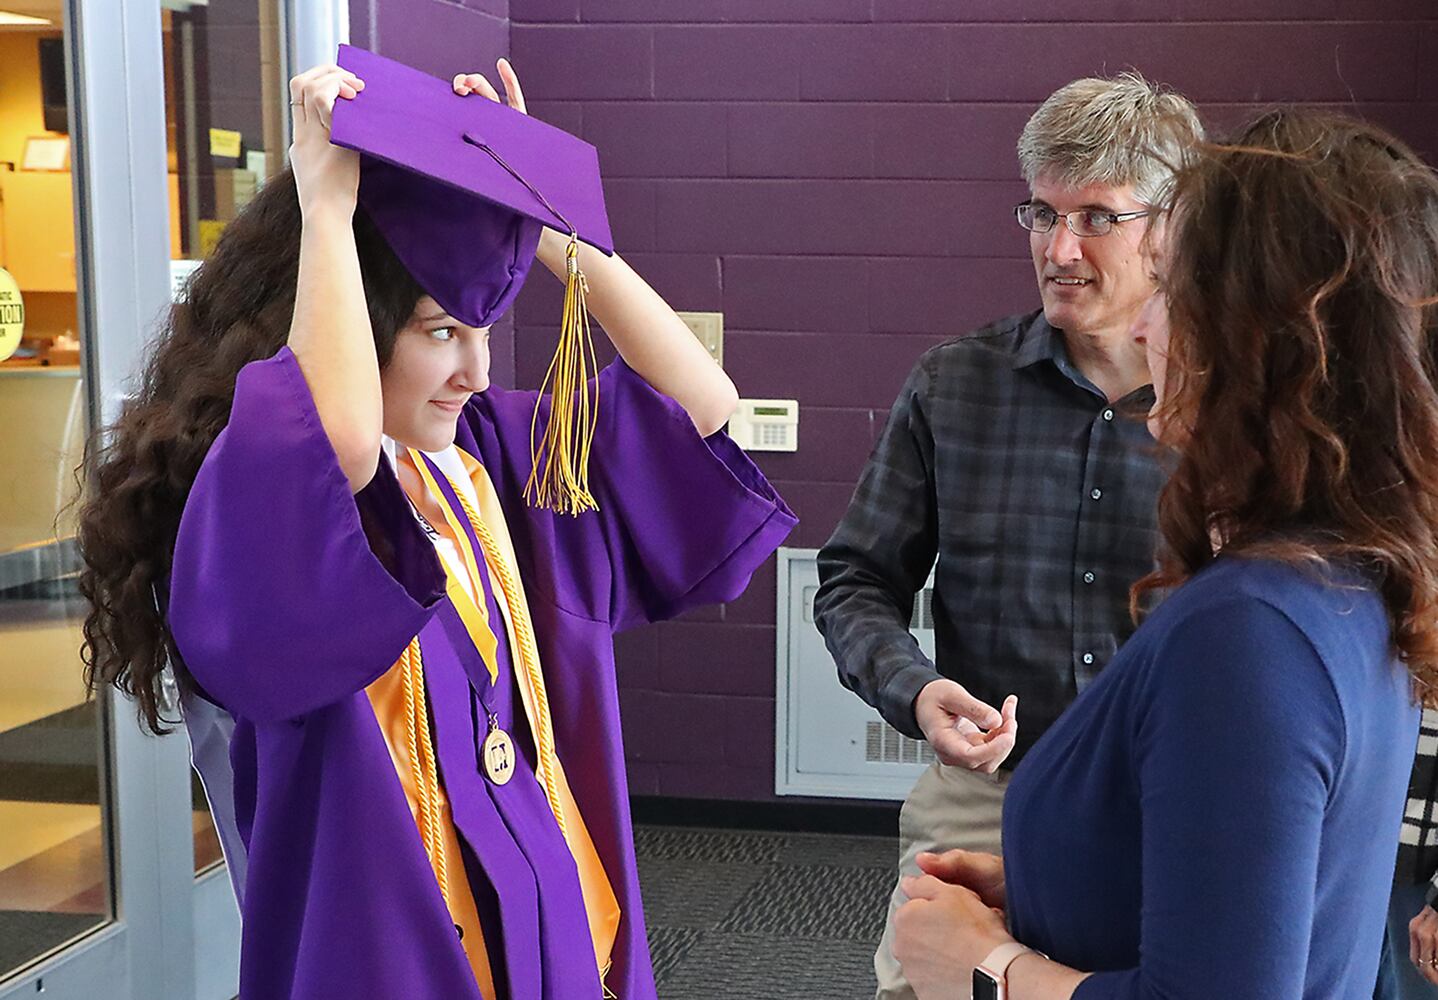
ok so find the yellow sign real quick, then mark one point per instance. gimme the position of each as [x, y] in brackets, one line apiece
[12, 315]
[210, 232]
[223, 142]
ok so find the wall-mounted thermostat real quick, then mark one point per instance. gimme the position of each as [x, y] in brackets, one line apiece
[766, 425]
[708, 327]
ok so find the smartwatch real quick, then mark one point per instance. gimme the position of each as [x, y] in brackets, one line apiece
[991, 977]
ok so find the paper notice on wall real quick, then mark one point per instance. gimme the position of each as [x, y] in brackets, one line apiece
[224, 142]
[180, 271]
[255, 164]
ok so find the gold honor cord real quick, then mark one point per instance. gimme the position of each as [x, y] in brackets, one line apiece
[559, 479]
[426, 768]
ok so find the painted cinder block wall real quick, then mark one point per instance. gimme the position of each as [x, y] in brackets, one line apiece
[836, 177]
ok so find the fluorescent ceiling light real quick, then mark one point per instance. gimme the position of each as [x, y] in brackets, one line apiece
[7, 18]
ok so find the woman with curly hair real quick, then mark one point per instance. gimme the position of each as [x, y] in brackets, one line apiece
[1215, 816]
[399, 676]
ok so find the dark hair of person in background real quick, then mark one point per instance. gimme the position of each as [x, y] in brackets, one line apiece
[237, 309]
[1300, 266]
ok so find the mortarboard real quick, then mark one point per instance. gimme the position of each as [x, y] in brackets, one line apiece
[461, 188]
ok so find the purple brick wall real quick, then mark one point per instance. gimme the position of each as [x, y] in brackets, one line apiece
[835, 176]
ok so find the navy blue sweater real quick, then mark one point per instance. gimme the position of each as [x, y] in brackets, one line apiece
[1217, 816]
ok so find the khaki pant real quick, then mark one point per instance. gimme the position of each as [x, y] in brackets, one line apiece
[949, 807]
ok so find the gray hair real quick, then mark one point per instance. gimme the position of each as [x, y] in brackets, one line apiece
[1117, 131]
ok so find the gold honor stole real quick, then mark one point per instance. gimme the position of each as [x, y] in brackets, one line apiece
[399, 701]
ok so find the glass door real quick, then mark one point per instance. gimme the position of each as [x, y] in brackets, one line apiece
[97, 826]
[55, 885]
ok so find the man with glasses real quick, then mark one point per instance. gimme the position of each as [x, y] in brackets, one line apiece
[1011, 458]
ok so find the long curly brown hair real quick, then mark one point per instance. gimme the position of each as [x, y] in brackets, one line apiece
[1301, 273]
[237, 309]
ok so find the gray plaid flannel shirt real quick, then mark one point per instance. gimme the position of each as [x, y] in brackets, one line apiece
[1036, 496]
[1418, 837]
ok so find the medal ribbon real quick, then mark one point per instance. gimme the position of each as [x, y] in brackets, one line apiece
[532, 678]
[473, 612]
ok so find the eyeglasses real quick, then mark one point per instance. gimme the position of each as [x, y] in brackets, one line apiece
[1085, 222]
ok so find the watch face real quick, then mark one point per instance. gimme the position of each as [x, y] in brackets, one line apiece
[986, 987]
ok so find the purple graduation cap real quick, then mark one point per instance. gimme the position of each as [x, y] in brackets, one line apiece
[461, 188]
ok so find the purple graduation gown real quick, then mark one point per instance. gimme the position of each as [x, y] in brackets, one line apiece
[289, 595]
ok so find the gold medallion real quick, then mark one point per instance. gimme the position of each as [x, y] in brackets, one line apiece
[498, 756]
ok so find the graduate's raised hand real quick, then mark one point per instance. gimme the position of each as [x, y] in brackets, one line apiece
[326, 175]
[476, 83]
[964, 731]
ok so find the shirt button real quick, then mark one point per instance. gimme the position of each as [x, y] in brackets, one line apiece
[1096, 493]
[1088, 578]
[1108, 414]
[1088, 659]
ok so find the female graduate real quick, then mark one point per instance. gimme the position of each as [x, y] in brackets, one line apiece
[315, 509]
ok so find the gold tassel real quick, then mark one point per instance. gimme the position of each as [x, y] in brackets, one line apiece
[559, 480]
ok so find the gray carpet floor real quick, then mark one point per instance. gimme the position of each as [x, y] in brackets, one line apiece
[764, 916]
[731, 913]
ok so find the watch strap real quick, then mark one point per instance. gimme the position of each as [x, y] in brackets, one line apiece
[998, 961]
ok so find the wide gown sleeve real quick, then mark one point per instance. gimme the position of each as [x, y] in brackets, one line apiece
[281, 602]
[683, 520]
[1239, 742]
[688, 519]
